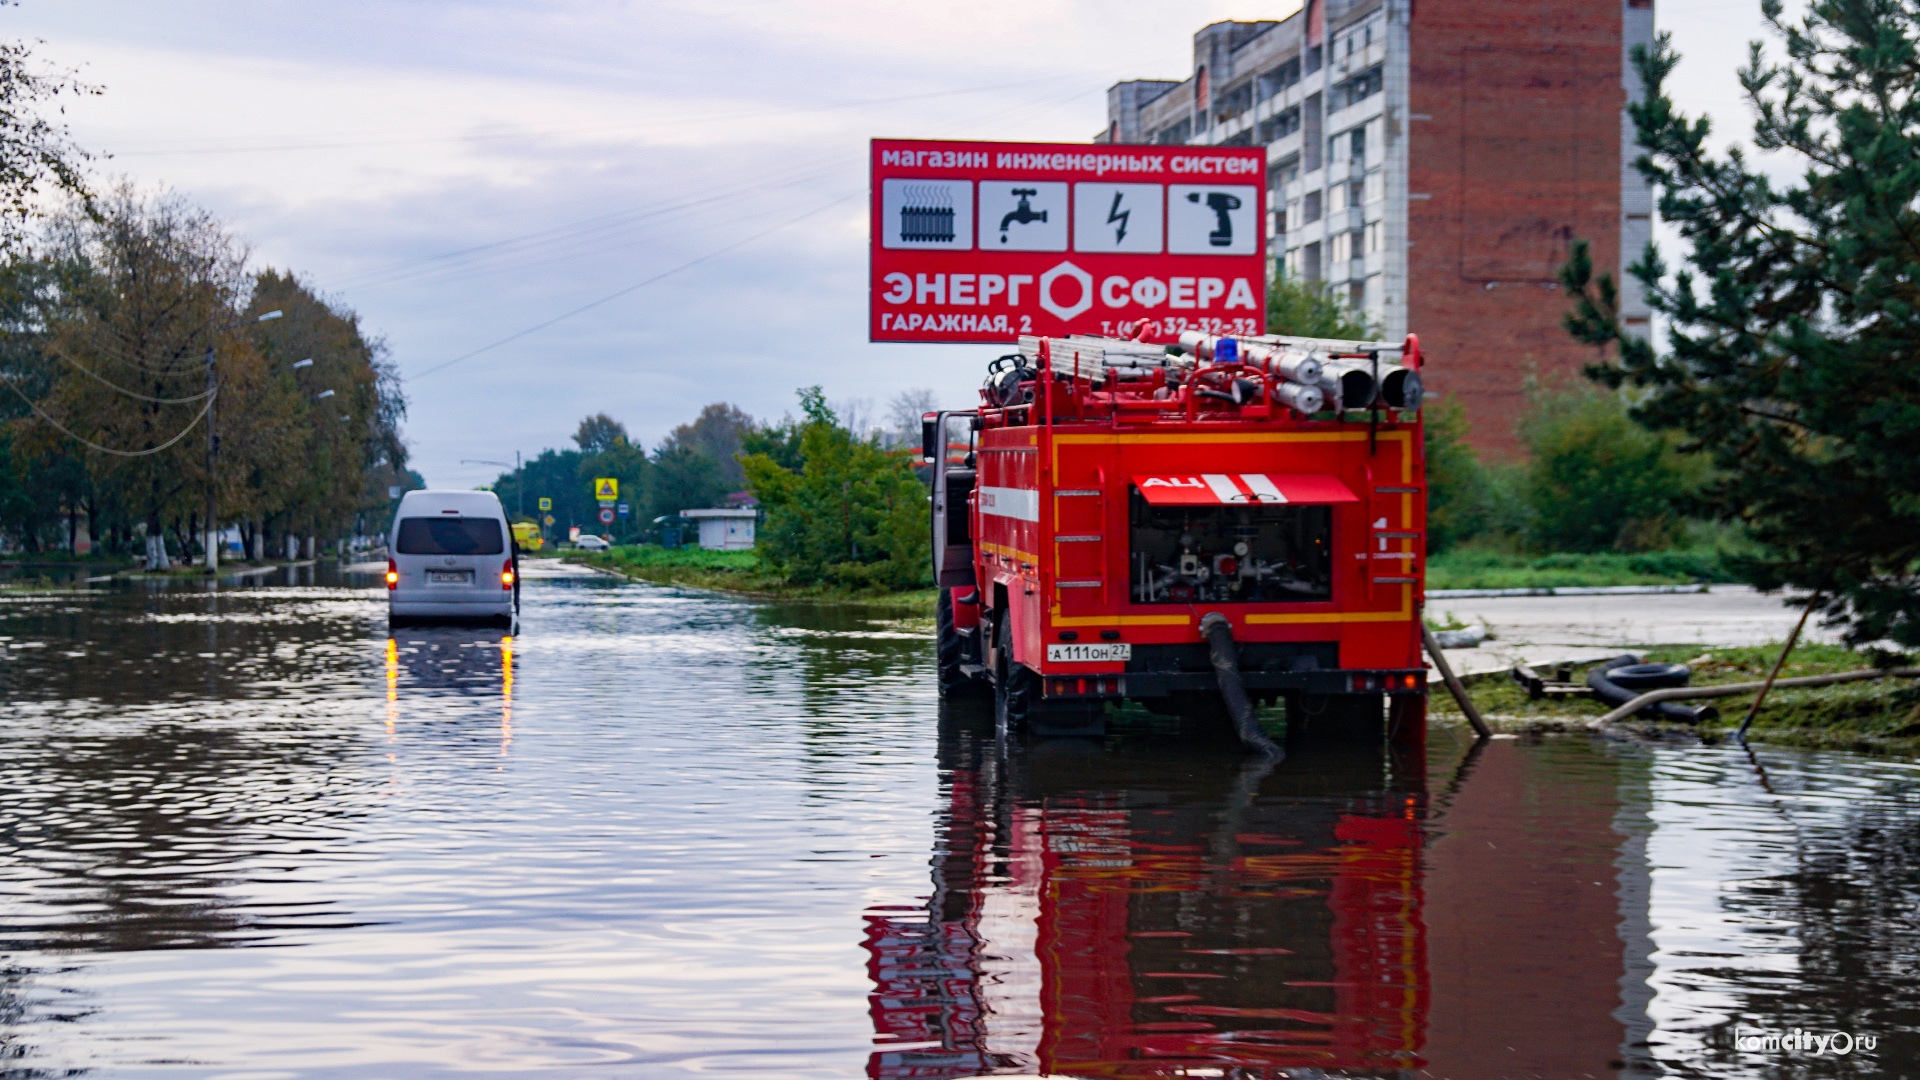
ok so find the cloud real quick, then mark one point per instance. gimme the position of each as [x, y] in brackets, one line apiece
[461, 170]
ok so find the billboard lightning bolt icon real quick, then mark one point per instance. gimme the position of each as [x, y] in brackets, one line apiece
[1119, 215]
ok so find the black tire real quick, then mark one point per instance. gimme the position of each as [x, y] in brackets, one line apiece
[1642, 677]
[951, 651]
[1018, 706]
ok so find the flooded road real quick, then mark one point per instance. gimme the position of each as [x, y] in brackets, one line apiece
[244, 833]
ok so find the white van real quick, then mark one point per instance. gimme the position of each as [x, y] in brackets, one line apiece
[451, 556]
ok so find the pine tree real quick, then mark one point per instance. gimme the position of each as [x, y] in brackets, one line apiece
[1793, 325]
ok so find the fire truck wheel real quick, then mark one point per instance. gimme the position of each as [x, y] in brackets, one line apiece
[953, 682]
[1018, 706]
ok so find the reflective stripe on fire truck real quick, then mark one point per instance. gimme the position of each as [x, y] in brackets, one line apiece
[1214, 489]
[1020, 503]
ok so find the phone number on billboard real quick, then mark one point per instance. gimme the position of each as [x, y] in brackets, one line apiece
[1175, 324]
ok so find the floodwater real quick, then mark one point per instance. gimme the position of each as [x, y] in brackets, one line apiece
[657, 833]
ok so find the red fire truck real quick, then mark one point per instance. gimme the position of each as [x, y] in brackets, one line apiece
[1199, 527]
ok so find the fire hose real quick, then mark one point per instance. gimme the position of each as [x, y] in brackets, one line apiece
[1226, 669]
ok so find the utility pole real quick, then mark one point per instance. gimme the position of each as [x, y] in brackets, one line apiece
[212, 534]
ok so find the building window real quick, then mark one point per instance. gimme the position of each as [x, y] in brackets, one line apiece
[1359, 88]
[1339, 250]
[1313, 59]
[1293, 263]
[1174, 134]
[1310, 212]
[1336, 198]
[1357, 144]
[1375, 187]
[1357, 295]
[1375, 234]
[1279, 78]
[1310, 263]
[1356, 248]
[1233, 102]
[1244, 138]
[1280, 126]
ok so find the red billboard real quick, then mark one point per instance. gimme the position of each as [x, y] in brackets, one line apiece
[984, 242]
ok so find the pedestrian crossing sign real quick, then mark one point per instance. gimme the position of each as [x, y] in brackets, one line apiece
[606, 489]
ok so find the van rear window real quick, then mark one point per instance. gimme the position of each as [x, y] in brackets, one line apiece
[451, 536]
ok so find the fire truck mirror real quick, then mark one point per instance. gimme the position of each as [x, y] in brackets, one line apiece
[930, 436]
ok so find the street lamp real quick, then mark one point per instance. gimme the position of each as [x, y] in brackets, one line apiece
[521, 480]
[213, 439]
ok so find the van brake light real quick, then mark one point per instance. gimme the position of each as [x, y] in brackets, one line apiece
[506, 574]
[393, 574]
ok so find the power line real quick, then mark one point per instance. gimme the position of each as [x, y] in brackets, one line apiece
[638, 285]
[58, 426]
[121, 389]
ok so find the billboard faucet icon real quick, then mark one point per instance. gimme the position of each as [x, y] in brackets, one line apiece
[1023, 213]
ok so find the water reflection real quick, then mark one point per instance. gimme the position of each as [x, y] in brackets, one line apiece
[683, 835]
[1155, 907]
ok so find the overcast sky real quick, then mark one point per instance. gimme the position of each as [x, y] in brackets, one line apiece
[460, 171]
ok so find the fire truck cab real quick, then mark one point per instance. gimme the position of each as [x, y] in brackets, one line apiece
[1180, 524]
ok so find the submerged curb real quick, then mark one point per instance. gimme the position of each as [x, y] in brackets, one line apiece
[1569, 590]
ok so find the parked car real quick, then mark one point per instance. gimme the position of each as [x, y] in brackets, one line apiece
[590, 542]
[451, 559]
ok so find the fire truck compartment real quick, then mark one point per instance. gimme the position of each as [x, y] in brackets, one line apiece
[1186, 553]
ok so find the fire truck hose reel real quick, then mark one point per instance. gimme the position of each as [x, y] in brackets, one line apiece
[1226, 668]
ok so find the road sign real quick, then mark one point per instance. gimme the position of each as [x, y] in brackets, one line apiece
[549, 518]
[623, 509]
[606, 515]
[393, 492]
[545, 505]
[975, 241]
[606, 489]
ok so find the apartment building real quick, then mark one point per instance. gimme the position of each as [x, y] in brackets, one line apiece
[1432, 165]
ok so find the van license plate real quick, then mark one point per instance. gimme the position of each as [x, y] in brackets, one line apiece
[449, 577]
[1105, 652]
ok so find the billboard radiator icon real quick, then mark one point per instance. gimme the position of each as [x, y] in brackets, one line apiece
[926, 214]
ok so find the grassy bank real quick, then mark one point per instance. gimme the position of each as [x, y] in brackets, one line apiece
[1468, 568]
[1874, 716]
[734, 571]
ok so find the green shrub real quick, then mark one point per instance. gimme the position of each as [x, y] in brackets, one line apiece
[1597, 480]
[854, 515]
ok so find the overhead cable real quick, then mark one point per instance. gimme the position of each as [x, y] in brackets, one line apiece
[637, 285]
[58, 426]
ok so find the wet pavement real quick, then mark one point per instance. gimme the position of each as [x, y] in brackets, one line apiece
[244, 833]
[1542, 629]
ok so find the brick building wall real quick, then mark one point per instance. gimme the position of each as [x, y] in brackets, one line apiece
[1514, 151]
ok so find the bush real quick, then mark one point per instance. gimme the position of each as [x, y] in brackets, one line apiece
[854, 515]
[1597, 480]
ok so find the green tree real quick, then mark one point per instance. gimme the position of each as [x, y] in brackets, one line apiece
[1793, 327]
[36, 156]
[853, 516]
[718, 432]
[1308, 309]
[599, 432]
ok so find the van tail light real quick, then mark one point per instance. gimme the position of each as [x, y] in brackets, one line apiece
[506, 574]
[393, 574]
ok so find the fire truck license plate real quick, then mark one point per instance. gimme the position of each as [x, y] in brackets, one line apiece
[1104, 652]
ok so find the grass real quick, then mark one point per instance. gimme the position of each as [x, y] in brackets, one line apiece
[1479, 568]
[735, 571]
[1873, 716]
